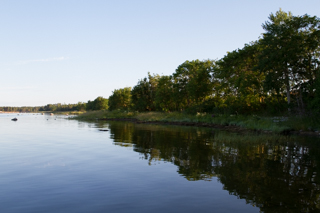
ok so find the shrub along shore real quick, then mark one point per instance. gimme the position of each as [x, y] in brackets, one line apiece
[236, 123]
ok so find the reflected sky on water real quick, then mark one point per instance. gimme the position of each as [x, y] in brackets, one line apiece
[52, 164]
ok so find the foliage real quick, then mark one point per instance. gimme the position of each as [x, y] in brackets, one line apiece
[20, 109]
[59, 107]
[315, 102]
[240, 83]
[290, 54]
[164, 99]
[81, 106]
[120, 99]
[99, 103]
[102, 114]
[143, 94]
[252, 122]
[192, 83]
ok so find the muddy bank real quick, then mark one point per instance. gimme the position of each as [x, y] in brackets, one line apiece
[231, 128]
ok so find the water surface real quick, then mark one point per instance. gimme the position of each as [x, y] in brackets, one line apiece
[52, 164]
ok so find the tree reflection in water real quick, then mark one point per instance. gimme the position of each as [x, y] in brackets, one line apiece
[276, 173]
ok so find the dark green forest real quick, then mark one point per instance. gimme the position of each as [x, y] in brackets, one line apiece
[276, 74]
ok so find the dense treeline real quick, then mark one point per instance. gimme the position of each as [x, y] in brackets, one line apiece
[277, 73]
[19, 109]
[98, 104]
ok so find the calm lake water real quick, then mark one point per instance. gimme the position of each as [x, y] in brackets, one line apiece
[52, 164]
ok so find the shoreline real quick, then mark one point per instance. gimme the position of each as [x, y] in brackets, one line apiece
[230, 128]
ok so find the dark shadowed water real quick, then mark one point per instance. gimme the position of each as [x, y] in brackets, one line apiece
[52, 164]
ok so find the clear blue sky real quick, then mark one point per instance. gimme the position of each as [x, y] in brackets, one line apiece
[65, 51]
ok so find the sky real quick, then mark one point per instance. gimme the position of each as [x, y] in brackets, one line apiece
[70, 51]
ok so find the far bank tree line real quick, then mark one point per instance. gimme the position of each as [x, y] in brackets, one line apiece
[98, 104]
[279, 72]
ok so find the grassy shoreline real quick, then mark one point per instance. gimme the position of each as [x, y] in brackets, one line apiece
[292, 124]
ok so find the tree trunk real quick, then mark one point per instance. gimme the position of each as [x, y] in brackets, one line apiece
[288, 94]
[288, 91]
[301, 102]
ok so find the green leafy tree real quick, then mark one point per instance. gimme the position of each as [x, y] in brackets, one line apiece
[100, 103]
[81, 106]
[290, 52]
[143, 94]
[90, 105]
[164, 95]
[315, 101]
[240, 84]
[120, 99]
[193, 82]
